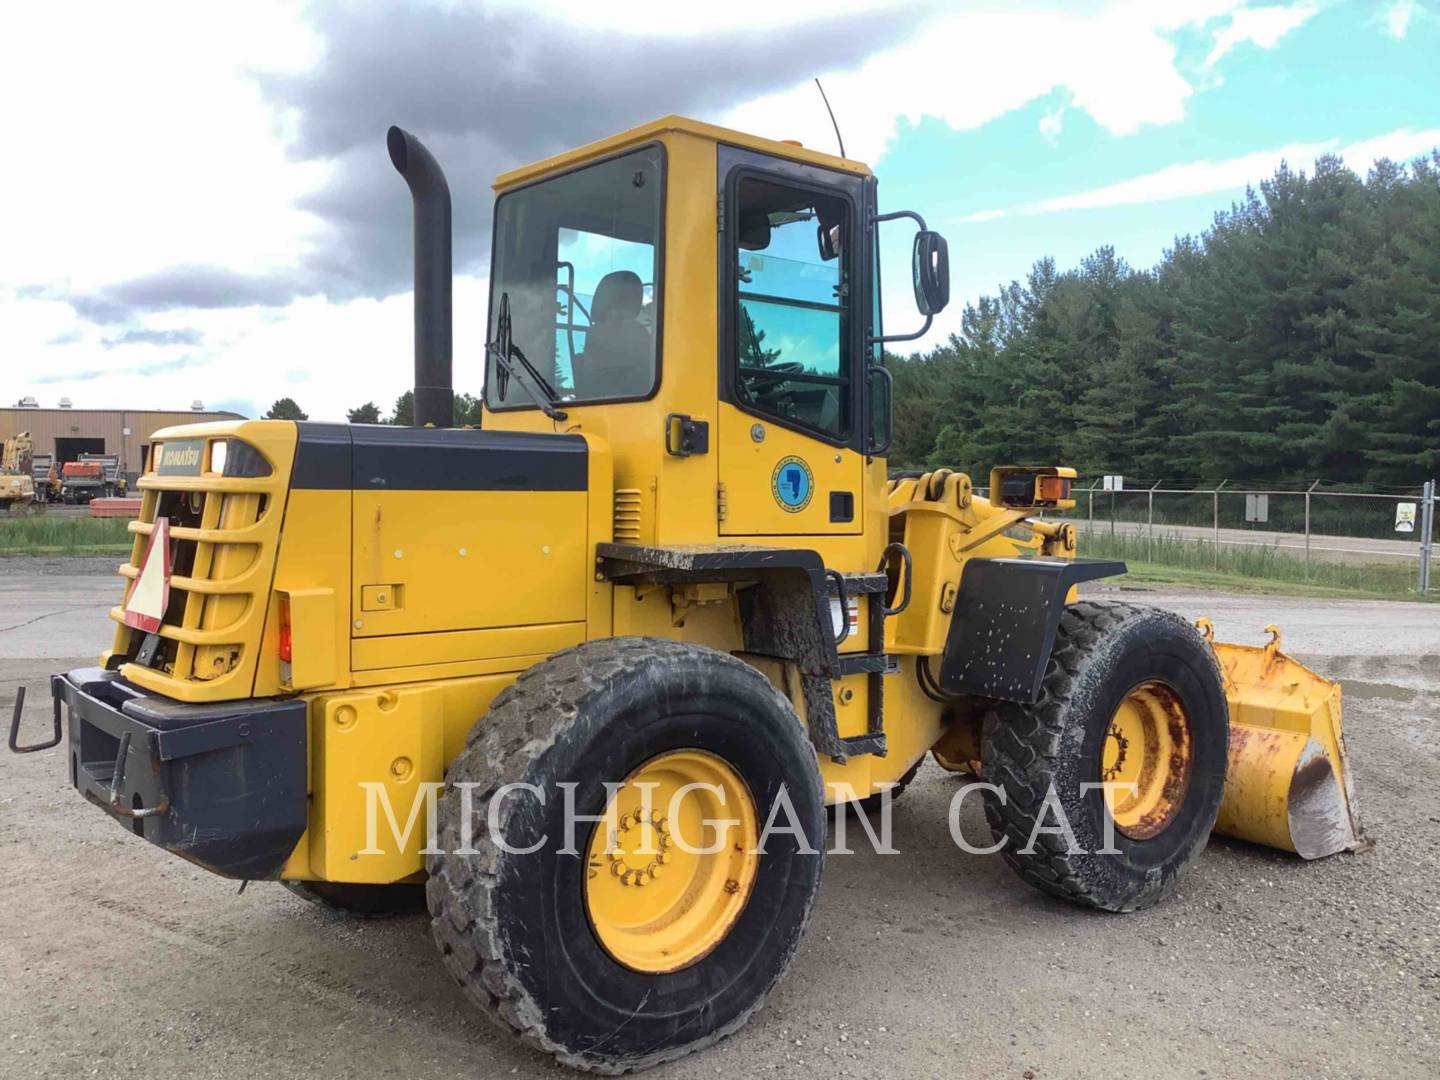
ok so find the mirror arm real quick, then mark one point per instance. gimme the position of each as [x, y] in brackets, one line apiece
[897, 214]
[904, 337]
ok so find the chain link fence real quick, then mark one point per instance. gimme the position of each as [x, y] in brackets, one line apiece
[1316, 524]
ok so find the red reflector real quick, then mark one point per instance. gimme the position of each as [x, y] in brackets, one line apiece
[285, 643]
[1053, 488]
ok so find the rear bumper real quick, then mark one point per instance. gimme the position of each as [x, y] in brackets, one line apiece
[221, 785]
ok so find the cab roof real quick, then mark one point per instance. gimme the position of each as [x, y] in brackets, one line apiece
[665, 125]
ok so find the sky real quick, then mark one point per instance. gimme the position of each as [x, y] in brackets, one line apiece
[199, 204]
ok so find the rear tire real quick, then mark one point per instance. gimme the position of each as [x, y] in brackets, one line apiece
[517, 931]
[1105, 652]
[361, 901]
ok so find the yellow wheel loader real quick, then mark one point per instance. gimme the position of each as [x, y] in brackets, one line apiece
[590, 674]
[17, 487]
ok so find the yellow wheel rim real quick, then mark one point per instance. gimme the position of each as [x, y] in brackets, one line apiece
[1147, 757]
[666, 879]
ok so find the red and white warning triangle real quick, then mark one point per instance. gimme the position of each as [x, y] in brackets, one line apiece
[150, 591]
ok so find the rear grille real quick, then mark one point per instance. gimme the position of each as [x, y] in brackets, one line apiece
[221, 550]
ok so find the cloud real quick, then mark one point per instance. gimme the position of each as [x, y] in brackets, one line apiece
[1051, 124]
[160, 367]
[155, 337]
[1396, 18]
[195, 286]
[1205, 177]
[979, 216]
[1116, 60]
[486, 90]
[1261, 26]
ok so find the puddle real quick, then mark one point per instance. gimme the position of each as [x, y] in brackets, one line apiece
[1366, 691]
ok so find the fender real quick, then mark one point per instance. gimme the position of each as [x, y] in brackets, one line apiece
[1006, 616]
[784, 614]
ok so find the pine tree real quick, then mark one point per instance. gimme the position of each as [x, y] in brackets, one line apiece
[285, 409]
[369, 413]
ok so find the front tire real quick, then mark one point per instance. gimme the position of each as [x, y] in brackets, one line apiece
[541, 941]
[1132, 695]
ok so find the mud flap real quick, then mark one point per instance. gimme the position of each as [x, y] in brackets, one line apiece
[1288, 781]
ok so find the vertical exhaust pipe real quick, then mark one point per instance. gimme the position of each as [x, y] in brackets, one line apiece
[434, 391]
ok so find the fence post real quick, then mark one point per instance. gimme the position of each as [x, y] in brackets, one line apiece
[1427, 526]
[1308, 490]
[1092, 505]
[1150, 521]
[1215, 496]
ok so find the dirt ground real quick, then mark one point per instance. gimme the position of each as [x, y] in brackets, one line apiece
[119, 960]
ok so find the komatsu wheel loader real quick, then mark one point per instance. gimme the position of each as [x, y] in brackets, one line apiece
[665, 593]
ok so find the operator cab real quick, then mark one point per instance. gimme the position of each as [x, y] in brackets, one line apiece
[684, 291]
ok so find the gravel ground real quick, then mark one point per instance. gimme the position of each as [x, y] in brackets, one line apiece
[118, 960]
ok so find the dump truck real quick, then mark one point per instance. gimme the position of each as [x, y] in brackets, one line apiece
[90, 476]
[611, 657]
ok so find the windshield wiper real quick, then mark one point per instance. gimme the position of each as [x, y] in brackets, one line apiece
[502, 350]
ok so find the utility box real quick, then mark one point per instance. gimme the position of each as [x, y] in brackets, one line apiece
[1257, 507]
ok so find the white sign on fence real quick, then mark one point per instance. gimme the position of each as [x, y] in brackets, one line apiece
[1405, 517]
[1257, 506]
[1114, 483]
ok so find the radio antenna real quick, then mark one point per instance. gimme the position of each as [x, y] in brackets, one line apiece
[831, 111]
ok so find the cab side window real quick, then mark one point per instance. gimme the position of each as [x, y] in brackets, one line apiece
[576, 266]
[605, 321]
[792, 333]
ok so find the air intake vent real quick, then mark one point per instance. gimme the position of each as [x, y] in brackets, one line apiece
[629, 515]
[635, 509]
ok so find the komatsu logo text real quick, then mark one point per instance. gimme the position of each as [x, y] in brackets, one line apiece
[181, 458]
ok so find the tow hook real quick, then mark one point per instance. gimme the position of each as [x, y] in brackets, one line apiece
[117, 804]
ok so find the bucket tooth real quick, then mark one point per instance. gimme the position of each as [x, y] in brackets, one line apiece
[1288, 780]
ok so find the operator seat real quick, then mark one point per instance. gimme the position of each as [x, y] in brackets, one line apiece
[617, 361]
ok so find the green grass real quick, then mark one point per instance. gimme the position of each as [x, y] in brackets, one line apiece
[54, 535]
[1171, 559]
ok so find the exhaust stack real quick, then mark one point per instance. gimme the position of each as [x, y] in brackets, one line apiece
[434, 391]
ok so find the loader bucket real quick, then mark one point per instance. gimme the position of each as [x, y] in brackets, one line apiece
[1288, 780]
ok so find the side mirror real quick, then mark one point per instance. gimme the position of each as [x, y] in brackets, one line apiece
[930, 271]
[828, 251]
[930, 268]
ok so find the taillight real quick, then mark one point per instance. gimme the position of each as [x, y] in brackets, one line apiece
[285, 641]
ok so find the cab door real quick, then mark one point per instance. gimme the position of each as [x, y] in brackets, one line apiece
[791, 351]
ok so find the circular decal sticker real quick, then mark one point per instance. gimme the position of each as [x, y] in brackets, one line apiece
[792, 485]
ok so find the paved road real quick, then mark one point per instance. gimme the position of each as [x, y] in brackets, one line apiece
[118, 960]
[1352, 549]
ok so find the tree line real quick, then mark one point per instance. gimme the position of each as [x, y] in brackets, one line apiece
[1298, 338]
[467, 411]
